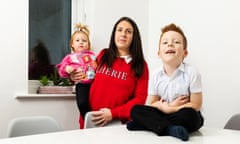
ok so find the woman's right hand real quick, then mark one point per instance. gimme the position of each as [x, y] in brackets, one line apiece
[77, 76]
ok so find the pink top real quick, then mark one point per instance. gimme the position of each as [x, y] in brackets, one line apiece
[82, 61]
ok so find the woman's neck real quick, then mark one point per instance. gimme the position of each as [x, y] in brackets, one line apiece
[123, 52]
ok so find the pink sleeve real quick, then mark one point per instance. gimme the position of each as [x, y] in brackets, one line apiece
[61, 66]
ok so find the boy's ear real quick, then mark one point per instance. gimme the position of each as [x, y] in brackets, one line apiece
[159, 54]
[185, 53]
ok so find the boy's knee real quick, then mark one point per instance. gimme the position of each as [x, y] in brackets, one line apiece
[135, 110]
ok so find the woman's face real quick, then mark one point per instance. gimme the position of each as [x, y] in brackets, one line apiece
[123, 37]
[80, 42]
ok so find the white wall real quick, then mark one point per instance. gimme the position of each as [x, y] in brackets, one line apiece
[13, 61]
[212, 29]
[101, 16]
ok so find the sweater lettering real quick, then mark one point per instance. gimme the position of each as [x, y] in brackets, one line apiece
[113, 73]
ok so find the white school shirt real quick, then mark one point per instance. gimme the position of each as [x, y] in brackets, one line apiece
[184, 81]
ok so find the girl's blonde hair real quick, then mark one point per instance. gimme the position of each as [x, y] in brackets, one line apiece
[80, 28]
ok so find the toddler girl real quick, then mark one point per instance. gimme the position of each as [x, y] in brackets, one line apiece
[81, 59]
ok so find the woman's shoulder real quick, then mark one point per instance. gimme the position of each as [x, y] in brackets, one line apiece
[145, 64]
[101, 53]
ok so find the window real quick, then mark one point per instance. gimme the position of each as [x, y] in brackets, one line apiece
[49, 34]
[50, 27]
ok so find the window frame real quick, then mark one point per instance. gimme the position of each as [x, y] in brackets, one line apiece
[78, 14]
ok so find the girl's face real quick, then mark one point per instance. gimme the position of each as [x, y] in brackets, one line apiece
[171, 48]
[80, 42]
[123, 37]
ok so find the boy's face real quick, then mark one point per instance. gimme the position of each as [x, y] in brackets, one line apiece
[80, 42]
[171, 48]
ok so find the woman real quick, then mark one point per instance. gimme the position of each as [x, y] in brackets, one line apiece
[121, 79]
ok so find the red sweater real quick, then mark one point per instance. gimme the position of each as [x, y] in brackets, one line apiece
[118, 89]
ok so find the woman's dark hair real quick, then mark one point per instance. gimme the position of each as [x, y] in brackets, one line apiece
[135, 50]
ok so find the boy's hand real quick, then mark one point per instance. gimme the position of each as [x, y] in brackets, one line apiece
[181, 100]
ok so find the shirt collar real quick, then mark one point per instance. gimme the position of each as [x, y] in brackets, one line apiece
[127, 58]
[180, 68]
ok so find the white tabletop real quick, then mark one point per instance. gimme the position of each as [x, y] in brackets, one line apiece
[120, 135]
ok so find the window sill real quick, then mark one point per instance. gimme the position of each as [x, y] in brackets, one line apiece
[63, 96]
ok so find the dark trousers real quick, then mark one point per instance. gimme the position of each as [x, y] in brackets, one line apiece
[154, 120]
[82, 97]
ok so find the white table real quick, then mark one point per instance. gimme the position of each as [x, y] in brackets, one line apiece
[120, 135]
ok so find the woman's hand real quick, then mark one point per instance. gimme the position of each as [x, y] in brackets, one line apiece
[102, 117]
[77, 76]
